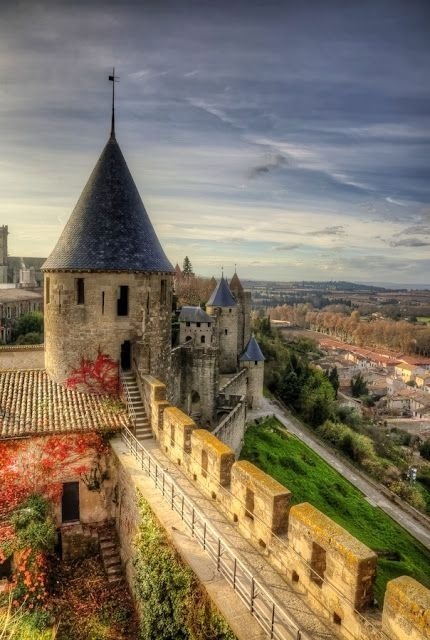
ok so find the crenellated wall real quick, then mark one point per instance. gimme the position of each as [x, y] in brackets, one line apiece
[231, 429]
[330, 568]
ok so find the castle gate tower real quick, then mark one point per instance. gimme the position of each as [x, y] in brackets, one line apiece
[108, 283]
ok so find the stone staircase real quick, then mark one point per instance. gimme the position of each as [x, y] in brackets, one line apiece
[143, 428]
[109, 553]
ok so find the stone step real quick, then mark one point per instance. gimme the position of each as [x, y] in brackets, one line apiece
[116, 570]
[115, 578]
[113, 561]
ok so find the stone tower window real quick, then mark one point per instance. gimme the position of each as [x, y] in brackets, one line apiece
[103, 303]
[47, 291]
[122, 301]
[80, 291]
[163, 292]
[318, 564]
[203, 339]
[225, 332]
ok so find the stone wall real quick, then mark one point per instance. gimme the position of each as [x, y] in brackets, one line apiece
[231, 429]
[193, 382]
[22, 357]
[74, 331]
[330, 568]
[226, 336]
[406, 610]
[255, 383]
[236, 386]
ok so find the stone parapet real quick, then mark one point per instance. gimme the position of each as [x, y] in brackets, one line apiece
[406, 610]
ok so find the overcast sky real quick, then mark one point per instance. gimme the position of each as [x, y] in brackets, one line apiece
[289, 137]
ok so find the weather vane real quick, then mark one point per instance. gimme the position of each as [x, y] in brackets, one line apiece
[113, 78]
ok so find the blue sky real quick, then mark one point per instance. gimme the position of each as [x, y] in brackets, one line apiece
[291, 138]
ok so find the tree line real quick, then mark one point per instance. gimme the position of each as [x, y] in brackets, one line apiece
[350, 327]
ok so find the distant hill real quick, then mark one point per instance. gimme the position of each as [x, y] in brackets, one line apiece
[331, 285]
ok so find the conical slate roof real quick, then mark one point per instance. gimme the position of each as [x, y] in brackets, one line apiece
[252, 351]
[235, 284]
[109, 229]
[221, 296]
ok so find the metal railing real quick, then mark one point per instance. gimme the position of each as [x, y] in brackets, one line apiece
[267, 610]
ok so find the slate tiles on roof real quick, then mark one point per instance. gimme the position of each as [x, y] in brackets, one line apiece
[252, 352]
[221, 296]
[109, 229]
[32, 404]
[194, 314]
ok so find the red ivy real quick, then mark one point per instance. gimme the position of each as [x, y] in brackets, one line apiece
[96, 376]
[38, 465]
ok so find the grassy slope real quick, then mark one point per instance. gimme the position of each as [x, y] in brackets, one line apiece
[312, 480]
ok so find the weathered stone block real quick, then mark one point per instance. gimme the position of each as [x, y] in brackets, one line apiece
[406, 611]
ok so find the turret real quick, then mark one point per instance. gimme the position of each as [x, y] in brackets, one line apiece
[223, 307]
[252, 360]
[243, 299]
[108, 282]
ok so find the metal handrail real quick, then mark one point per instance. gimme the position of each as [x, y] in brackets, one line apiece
[267, 610]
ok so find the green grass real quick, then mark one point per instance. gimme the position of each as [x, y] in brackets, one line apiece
[312, 480]
[425, 319]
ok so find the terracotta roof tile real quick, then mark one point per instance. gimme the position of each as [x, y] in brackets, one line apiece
[32, 404]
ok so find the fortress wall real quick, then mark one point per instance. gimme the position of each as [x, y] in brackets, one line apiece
[333, 570]
[236, 386]
[22, 357]
[231, 430]
[406, 610]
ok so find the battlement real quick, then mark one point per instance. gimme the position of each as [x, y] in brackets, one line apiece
[328, 566]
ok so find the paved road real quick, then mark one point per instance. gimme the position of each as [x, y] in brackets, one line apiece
[374, 495]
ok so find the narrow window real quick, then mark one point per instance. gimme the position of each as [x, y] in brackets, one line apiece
[203, 339]
[318, 564]
[163, 292]
[47, 291]
[80, 291]
[188, 324]
[225, 332]
[249, 504]
[172, 435]
[147, 303]
[204, 463]
[122, 301]
[198, 324]
[103, 303]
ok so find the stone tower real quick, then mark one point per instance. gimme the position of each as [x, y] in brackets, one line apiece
[3, 254]
[223, 306]
[243, 299]
[108, 283]
[252, 360]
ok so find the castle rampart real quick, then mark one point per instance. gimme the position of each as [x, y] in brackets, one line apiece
[330, 568]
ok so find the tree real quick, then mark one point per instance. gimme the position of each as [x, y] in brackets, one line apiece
[425, 450]
[29, 323]
[30, 338]
[187, 267]
[359, 386]
[333, 378]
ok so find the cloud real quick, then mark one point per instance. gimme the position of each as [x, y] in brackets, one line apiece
[399, 203]
[275, 161]
[336, 230]
[410, 242]
[287, 247]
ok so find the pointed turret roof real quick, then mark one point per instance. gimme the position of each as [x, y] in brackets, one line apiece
[252, 351]
[109, 229]
[221, 296]
[235, 284]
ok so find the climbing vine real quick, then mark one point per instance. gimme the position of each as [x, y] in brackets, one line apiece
[173, 605]
[39, 465]
[99, 376]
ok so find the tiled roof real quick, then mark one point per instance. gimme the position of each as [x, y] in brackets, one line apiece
[194, 314]
[222, 296]
[109, 229]
[252, 352]
[32, 404]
